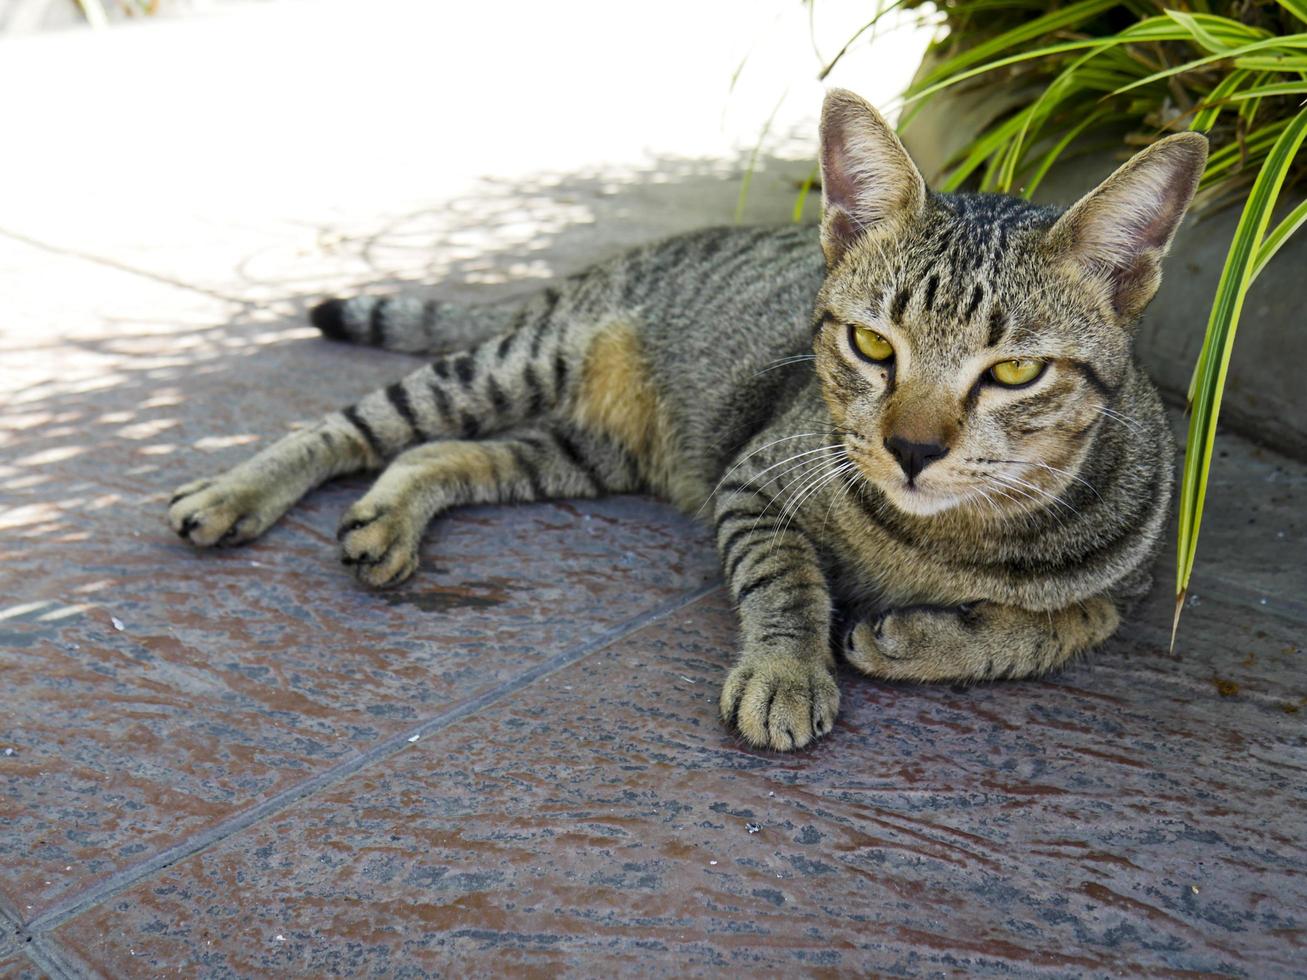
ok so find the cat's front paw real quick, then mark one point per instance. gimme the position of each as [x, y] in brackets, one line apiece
[225, 510]
[781, 701]
[379, 543]
[918, 643]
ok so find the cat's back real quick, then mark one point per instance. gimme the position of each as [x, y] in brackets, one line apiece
[724, 315]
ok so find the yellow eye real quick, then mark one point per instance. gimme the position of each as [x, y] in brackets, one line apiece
[1012, 373]
[872, 345]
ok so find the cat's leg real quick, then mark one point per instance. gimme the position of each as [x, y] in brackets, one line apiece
[982, 641]
[247, 499]
[379, 535]
[499, 384]
[781, 694]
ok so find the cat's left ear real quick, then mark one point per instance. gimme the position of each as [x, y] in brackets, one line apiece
[869, 184]
[1118, 233]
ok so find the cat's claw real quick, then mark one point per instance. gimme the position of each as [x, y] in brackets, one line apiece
[780, 702]
[378, 544]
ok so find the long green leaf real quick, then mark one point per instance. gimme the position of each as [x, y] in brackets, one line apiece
[1285, 41]
[1276, 88]
[821, 75]
[1206, 118]
[797, 214]
[1229, 29]
[1029, 31]
[980, 151]
[753, 160]
[1296, 7]
[1151, 30]
[1205, 38]
[1282, 233]
[1040, 109]
[1214, 359]
[1277, 63]
[1217, 34]
[1059, 148]
[1232, 154]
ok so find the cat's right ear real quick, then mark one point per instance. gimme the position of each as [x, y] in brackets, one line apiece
[868, 181]
[1116, 235]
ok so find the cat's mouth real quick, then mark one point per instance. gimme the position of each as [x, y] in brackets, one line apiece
[920, 497]
[919, 500]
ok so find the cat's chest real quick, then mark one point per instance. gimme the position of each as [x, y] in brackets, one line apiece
[875, 563]
[868, 568]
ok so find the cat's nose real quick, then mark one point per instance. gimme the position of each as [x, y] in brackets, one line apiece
[914, 456]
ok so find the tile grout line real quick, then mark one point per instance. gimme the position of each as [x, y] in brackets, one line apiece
[121, 881]
[45, 953]
[50, 957]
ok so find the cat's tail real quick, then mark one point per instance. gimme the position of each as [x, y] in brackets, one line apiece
[407, 323]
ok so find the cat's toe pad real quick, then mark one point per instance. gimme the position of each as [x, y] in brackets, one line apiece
[378, 544]
[780, 702]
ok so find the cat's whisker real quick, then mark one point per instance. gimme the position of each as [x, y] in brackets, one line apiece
[1133, 425]
[749, 456]
[827, 423]
[803, 467]
[1039, 496]
[1052, 469]
[1120, 414]
[846, 467]
[987, 498]
[1014, 480]
[784, 362]
[820, 481]
[1017, 481]
[810, 473]
[808, 452]
[790, 357]
[830, 478]
[806, 469]
[1007, 494]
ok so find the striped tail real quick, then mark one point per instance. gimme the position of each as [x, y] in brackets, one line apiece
[407, 323]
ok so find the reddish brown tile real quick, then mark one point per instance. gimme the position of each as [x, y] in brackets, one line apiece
[19, 967]
[14, 943]
[152, 691]
[1122, 818]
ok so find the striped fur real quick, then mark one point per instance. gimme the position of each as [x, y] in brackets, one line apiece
[719, 371]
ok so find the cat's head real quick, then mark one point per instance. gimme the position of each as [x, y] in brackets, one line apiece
[970, 345]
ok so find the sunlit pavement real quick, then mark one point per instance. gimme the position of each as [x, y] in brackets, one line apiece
[240, 763]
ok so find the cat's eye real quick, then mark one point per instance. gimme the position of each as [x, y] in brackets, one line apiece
[872, 345]
[1016, 372]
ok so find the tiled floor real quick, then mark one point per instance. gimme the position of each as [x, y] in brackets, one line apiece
[215, 769]
[240, 763]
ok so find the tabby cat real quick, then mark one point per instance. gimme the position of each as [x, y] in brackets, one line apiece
[919, 429]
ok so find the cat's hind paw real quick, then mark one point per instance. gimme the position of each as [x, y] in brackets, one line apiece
[780, 702]
[379, 544]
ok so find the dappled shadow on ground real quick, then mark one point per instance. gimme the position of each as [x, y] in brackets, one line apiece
[116, 377]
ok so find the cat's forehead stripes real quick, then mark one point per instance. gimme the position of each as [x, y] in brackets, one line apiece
[997, 326]
[964, 254]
